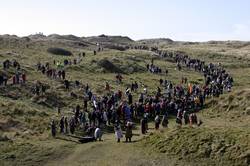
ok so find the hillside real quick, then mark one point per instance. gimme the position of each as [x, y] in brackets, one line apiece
[25, 117]
[159, 41]
[110, 39]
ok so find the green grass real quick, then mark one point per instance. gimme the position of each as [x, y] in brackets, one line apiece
[31, 115]
[211, 146]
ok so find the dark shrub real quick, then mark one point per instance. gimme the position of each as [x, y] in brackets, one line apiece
[109, 66]
[59, 51]
[115, 47]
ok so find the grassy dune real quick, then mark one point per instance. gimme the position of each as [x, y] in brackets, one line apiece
[223, 138]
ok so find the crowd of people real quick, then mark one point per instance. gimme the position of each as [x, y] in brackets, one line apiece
[103, 112]
[216, 77]
[54, 73]
[153, 68]
[19, 76]
[121, 109]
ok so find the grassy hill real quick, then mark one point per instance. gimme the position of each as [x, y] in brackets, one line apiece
[158, 42]
[110, 39]
[222, 139]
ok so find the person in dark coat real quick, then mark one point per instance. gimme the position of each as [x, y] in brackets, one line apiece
[43, 89]
[66, 84]
[143, 126]
[77, 111]
[5, 80]
[129, 133]
[1, 79]
[37, 89]
[186, 117]
[66, 124]
[63, 75]
[53, 128]
[164, 122]
[62, 125]
[130, 99]
[72, 125]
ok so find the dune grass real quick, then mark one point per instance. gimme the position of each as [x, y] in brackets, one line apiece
[26, 118]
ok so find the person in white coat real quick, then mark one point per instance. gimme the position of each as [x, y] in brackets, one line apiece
[118, 132]
[98, 134]
[105, 117]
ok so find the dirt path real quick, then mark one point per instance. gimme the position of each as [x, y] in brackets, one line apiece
[109, 152]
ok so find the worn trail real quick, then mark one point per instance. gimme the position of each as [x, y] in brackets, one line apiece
[109, 152]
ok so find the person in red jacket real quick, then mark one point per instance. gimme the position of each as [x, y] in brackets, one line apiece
[24, 78]
[14, 80]
[107, 87]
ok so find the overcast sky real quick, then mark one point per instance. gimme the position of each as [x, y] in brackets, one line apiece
[186, 20]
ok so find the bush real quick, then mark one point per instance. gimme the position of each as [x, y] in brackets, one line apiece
[116, 47]
[59, 51]
[109, 66]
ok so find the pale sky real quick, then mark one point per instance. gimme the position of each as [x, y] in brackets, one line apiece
[186, 20]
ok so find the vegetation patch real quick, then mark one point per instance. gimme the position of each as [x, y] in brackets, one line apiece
[109, 66]
[221, 146]
[59, 51]
[115, 47]
[235, 104]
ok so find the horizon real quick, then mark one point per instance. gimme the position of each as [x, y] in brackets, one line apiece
[195, 21]
[125, 36]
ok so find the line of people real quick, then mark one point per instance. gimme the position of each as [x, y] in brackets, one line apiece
[216, 77]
